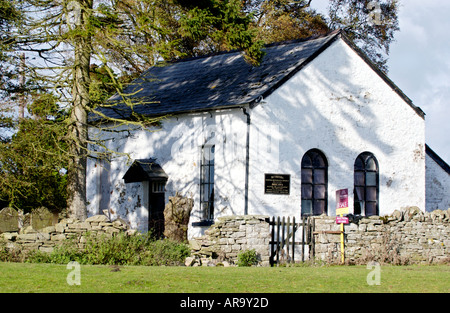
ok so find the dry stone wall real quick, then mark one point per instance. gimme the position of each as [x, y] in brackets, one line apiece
[406, 236]
[47, 238]
[229, 236]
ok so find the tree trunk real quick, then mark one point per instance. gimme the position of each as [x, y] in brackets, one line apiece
[77, 203]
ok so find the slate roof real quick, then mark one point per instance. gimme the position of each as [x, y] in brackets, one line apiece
[145, 170]
[224, 80]
[218, 81]
[437, 159]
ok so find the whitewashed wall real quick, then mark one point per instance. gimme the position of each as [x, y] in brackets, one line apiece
[177, 147]
[338, 105]
[437, 186]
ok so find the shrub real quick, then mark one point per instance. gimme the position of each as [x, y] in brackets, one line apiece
[118, 250]
[11, 255]
[63, 254]
[166, 252]
[7, 255]
[247, 258]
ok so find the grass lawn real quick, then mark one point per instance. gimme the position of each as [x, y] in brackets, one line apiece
[18, 277]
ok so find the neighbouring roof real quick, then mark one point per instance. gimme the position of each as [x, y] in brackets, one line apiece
[224, 80]
[437, 159]
[145, 170]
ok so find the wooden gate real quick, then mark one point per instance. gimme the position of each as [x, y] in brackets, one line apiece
[286, 235]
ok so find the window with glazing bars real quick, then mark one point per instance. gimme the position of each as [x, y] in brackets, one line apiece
[314, 183]
[366, 191]
[207, 183]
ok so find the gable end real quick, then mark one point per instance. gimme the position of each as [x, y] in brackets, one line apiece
[268, 92]
[382, 75]
[437, 159]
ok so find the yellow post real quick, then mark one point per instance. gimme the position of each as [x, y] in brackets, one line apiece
[341, 209]
[342, 242]
[341, 213]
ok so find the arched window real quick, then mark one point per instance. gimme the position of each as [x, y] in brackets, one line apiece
[366, 190]
[314, 183]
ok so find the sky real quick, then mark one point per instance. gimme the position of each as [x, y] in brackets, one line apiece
[419, 64]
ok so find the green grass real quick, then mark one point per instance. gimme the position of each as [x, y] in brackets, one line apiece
[20, 277]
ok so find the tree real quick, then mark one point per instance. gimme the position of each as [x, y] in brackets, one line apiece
[151, 31]
[63, 38]
[370, 24]
[282, 20]
[34, 158]
[74, 48]
[10, 16]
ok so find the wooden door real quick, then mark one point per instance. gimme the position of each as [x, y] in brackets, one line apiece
[156, 208]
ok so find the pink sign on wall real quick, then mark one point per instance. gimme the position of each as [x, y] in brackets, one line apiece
[342, 198]
[342, 220]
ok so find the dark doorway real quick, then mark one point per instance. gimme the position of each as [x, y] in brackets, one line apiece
[156, 208]
[147, 170]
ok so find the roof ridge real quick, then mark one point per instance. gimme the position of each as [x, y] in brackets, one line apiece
[431, 153]
[243, 93]
[299, 40]
[212, 54]
[273, 44]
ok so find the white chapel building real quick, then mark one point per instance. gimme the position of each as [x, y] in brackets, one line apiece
[278, 139]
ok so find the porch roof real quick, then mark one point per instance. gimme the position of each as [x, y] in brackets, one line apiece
[145, 170]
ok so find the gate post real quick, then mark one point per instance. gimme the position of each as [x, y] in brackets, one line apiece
[272, 241]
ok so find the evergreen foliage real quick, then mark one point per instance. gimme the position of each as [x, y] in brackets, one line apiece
[64, 58]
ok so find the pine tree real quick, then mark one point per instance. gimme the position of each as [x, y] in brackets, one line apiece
[82, 51]
[370, 24]
[64, 38]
